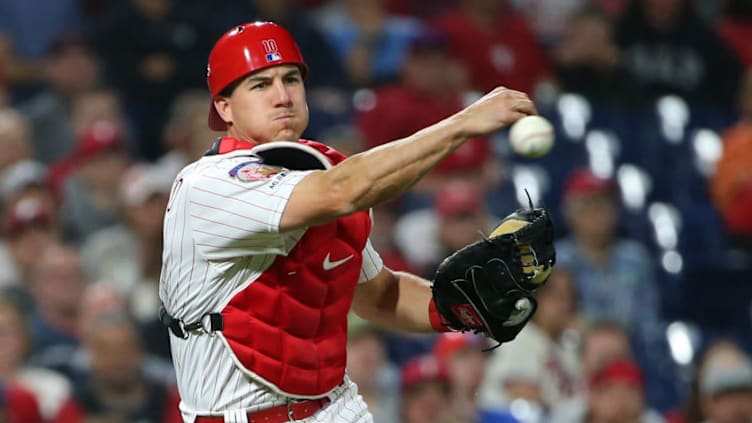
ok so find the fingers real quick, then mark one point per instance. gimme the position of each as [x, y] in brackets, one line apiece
[514, 116]
[525, 106]
[517, 101]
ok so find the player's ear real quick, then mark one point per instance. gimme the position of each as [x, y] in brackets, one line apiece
[222, 105]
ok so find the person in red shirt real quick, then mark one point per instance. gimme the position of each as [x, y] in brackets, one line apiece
[496, 44]
[735, 27]
[428, 91]
[18, 405]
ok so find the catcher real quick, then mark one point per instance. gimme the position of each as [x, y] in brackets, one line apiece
[266, 246]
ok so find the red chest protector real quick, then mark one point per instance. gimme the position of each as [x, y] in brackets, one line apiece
[288, 329]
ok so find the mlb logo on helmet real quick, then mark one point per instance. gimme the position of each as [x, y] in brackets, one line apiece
[272, 52]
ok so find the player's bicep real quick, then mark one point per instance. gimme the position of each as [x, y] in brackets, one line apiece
[234, 216]
[370, 296]
[312, 203]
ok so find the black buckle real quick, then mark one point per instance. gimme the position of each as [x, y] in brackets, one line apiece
[209, 322]
[175, 325]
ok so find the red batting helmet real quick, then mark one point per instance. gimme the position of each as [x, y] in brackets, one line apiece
[244, 49]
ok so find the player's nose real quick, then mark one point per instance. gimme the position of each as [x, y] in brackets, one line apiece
[282, 95]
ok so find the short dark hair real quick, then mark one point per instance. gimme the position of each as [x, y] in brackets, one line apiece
[228, 90]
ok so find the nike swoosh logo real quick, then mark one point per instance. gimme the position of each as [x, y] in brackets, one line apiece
[329, 265]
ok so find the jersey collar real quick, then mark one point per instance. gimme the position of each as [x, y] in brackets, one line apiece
[225, 145]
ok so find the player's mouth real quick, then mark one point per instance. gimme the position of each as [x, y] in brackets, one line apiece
[286, 116]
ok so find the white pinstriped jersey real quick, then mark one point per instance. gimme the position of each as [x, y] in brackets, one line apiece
[220, 234]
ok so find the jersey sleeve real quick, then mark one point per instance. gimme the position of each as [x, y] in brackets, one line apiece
[234, 217]
[372, 263]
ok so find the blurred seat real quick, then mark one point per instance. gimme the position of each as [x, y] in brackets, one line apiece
[718, 298]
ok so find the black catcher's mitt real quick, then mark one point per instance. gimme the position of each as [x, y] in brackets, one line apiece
[489, 286]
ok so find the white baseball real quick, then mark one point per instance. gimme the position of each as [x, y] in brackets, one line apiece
[532, 136]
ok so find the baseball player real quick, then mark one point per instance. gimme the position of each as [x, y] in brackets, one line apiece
[266, 242]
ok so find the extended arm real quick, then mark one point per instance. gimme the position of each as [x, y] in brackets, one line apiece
[397, 300]
[385, 172]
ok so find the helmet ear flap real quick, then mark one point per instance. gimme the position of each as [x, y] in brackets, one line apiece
[216, 123]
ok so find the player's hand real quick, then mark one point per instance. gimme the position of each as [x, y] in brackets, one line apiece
[494, 111]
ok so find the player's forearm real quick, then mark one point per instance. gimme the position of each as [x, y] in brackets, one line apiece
[399, 303]
[385, 172]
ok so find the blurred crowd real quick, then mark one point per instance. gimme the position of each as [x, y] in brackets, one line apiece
[645, 319]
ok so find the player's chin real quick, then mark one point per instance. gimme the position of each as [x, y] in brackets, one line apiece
[287, 134]
[289, 129]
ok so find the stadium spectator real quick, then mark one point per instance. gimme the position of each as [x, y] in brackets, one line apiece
[668, 49]
[462, 356]
[311, 40]
[385, 218]
[69, 68]
[369, 367]
[26, 36]
[603, 341]
[15, 138]
[49, 391]
[18, 405]
[96, 106]
[548, 18]
[542, 364]
[720, 388]
[57, 283]
[90, 199]
[51, 75]
[428, 90]
[423, 9]
[127, 256]
[735, 27]
[616, 394]
[116, 386]
[615, 276]
[129, 253]
[371, 43]
[588, 61]
[30, 223]
[33, 32]
[185, 132]
[23, 177]
[101, 299]
[460, 216]
[425, 390]
[725, 383]
[152, 50]
[496, 44]
[731, 185]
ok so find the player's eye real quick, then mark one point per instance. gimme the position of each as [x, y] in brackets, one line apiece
[259, 86]
[292, 79]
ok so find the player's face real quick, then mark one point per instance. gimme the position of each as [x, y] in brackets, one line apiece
[269, 105]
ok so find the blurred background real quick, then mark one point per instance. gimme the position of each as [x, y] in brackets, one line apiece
[647, 317]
